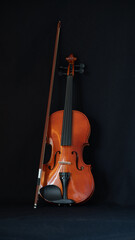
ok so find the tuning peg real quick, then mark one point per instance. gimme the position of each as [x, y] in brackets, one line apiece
[61, 73]
[81, 65]
[81, 70]
[61, 67]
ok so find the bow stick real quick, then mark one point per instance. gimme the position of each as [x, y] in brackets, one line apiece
[47, 115]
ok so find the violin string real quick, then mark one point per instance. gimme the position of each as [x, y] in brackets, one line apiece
[68, 114]
[67, 118]
[68, 109]
[67, 130]
[71, 111]
[68, 125]
[71, 114]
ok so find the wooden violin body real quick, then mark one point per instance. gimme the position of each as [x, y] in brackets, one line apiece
[69, 159]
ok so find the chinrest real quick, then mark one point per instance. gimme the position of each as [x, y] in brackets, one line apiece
[51, 193]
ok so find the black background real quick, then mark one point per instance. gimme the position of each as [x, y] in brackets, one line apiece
[102, 36]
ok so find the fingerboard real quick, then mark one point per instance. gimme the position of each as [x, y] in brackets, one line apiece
[67, 117]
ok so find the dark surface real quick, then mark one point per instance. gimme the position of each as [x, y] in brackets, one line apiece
[82, 223]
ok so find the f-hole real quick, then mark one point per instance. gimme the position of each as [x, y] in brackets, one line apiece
[81, 168]
[54, 161]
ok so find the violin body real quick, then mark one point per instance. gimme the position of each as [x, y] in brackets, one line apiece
[69, 158]
[65, 179]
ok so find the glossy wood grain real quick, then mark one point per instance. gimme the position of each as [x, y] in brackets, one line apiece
[81, 183]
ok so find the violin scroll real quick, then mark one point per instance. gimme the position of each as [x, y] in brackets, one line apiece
[72, 68]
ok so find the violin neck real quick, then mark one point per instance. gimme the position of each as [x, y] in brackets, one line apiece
[67, 118]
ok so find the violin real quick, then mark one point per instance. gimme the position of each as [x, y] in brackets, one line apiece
[65, 178]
